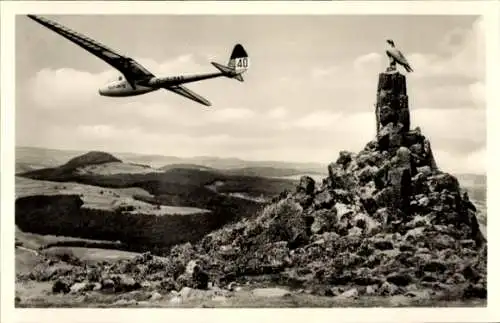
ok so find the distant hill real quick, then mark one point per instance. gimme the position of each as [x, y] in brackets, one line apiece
[177, 183]
[91, 158]
[53, 157]
[268, 171]
[186, 166]
[30, 158]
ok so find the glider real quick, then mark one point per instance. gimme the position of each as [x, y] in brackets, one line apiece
[136, 79]
[395, 56]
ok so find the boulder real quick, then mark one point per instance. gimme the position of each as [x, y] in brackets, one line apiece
[440, 182]
[324, 199]
[61, 286]
[306, 185]
[324, 220]
[390, 137]
[344, 159]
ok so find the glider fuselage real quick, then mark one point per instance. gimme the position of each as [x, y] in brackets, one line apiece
[122, 88]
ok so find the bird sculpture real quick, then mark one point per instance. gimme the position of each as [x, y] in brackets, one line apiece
[396, 57]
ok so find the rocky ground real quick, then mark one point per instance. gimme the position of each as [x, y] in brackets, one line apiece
[343, 238]
[386, 227]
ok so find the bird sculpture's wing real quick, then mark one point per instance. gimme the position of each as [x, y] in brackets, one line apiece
[402, 58]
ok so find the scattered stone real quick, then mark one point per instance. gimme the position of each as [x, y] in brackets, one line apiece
[79, 287]
[155, 296]
[351, 293]
[270, 292]
[60, 286]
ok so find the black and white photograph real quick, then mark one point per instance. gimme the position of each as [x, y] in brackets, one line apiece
[245, 160]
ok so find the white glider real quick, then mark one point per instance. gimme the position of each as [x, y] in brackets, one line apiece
[138, 80]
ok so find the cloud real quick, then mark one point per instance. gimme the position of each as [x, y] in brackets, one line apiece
[318, 119]
[368, 61]
[478, 93]
[65, 88]
[230, 115]
[318, 73]
[465, 58]
[277, 113]
[294, 111]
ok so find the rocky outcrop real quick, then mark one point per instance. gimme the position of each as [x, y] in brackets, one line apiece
[392, 101]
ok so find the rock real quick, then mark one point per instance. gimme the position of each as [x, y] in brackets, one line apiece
[400, 279]
[367, 174]
[146, 285]
[475, 291]
[125, 302]
[124, 283]
[423, 202]
[434, 266]
[390, 137]
[344, 159]
[176, 300]
[387, 115]
[382, 216]
[155, 296]
[355, 231]
[386, 198]
[388, 289]
[324, 200]
[60, 286]
[369, 203]
[342, 196]
[343, 210]
[367, 224]
[185, 292]
[456, 279]
[470, 273]
[167, 284]
[407, 247]
[426, 171]
[365, 277]
[306, 185]
[371, 290]
[403, 158]
[467, 243]
[303, 199]
[270, 292]
[351, 293]
[323, 220]
[231, 287]
[440, 182]
[383, 244]
[79, 287]
[443, 241]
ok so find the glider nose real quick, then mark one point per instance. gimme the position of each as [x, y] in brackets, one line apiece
[102, 91]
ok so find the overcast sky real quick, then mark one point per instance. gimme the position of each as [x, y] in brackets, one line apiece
[309, 91]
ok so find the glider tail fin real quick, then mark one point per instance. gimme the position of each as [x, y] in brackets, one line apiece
[237, 65]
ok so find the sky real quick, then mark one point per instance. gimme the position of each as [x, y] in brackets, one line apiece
[309, 92]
